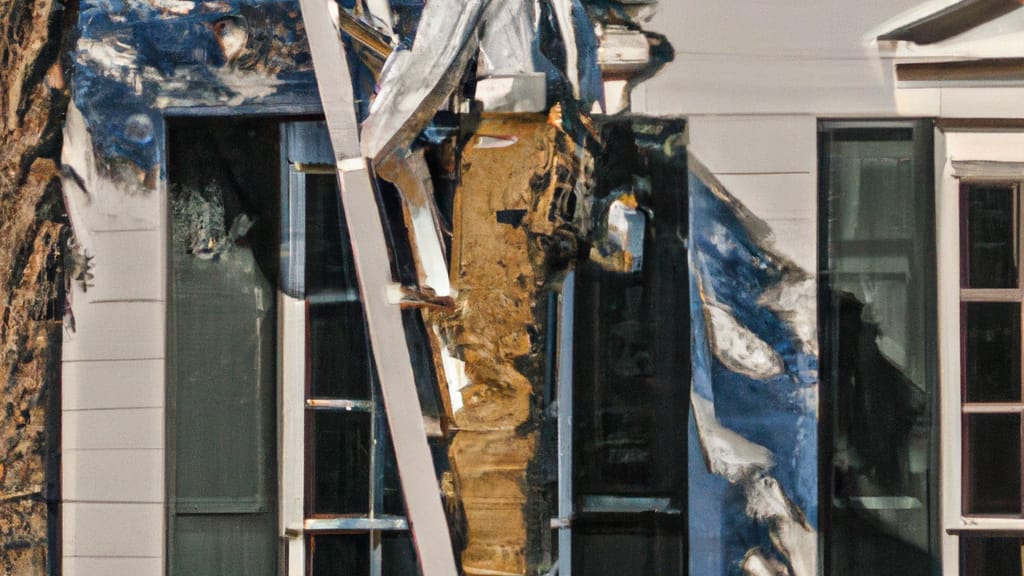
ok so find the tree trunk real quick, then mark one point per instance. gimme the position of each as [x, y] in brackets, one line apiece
[33, 230]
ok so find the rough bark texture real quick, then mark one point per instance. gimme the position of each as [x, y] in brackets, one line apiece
[32, 233]
[509, 234]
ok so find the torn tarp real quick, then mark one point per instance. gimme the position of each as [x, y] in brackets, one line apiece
[415, 82]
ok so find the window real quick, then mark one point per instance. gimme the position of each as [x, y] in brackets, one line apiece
[222, 343]
[632, 371]
[979, 217]
[879, 439]
[990, 358]
[990, 313]
[256, 244]
[352, 520]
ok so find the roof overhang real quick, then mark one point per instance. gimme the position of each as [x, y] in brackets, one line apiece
[951, 21]
[972, 72]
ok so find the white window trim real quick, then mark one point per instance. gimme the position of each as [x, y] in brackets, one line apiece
[291, 427]
[967, 156]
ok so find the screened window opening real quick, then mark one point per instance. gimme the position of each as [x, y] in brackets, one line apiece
[224, 204]
[877, 311]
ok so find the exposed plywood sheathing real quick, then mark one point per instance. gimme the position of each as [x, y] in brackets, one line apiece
[506, 224]
[31, 281]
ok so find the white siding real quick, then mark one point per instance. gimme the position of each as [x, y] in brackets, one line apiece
[98, 530]
[770, 164]
[108, 566]
[106, 384]
[982, 102]
[788, 57]
[130, 254]
[818, 58]
[113, 377]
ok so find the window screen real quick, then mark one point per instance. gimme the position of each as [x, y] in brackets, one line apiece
[223, 179]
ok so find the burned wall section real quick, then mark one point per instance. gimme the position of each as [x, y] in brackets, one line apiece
[33, 232]
[505, 255]
[631, 357]
[135, 60]
[530, 205]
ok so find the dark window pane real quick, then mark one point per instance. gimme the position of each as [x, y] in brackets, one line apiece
[390, 484]
[225, 545]
[988, 235]
[645, 544]
[992, 464]
[877, 349]
[224, 369]
[990, 556]
[631, 353]
[992, 351]
[329, 264]
[398, 555]
[339, 555]
[222, 345]
[339, 351]
[342, 466]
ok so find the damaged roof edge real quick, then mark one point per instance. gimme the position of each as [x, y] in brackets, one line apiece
[951, 21]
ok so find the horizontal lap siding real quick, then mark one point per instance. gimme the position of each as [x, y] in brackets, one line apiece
[113, 477]
[770, 164]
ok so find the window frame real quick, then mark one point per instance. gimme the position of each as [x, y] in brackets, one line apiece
[964, 156]
[995, 296]
[925, 164]
[592, 506]
[269, 430]
[299, 523]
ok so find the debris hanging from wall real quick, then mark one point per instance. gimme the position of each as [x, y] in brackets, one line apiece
[512, 237]
[754, 397]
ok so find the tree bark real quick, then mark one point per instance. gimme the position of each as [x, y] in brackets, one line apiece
[33, 230]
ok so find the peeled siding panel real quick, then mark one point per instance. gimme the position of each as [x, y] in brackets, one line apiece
[115, 331]
[113, 384]
[113, 475]
[127, 265]
[109, 566]
[755, 144]
[113, 529]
